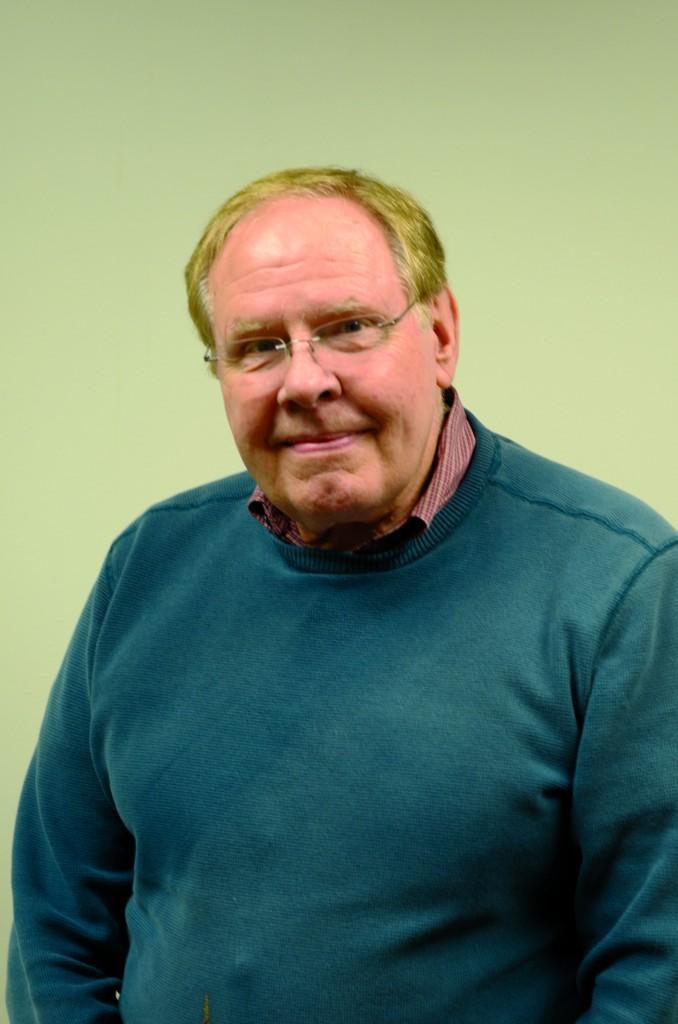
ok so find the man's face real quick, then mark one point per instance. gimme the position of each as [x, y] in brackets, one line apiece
[332, 447]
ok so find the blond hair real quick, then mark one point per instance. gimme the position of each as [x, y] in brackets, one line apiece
[416, 247]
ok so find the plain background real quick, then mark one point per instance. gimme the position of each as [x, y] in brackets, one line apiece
[542, 137]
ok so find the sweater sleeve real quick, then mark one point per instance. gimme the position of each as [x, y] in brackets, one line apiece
[625, 807]
[72, 860]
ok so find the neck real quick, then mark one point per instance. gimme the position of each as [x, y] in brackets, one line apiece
[345, 536]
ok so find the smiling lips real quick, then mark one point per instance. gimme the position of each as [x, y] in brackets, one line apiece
[313, 443]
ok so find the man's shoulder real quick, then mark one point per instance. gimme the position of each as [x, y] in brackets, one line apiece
[195, 513]
[225, 490]
[542, 483]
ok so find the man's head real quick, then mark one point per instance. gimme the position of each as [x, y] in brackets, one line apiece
[416, 247]
[340, 436]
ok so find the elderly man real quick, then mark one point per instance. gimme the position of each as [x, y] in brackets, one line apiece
[383, 730]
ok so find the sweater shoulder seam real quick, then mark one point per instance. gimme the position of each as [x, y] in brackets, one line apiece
[168, 506]
[581, 513]
[632, 578]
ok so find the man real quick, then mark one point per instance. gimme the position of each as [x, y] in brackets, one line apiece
[383, 731]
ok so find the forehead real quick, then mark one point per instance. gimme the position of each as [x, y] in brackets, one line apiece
[297, 249]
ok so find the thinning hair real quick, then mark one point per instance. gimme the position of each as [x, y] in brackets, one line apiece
[417, 250]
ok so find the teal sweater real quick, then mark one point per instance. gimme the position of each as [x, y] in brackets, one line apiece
[437, 784]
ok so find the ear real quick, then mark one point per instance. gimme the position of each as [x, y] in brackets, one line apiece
[445, 326]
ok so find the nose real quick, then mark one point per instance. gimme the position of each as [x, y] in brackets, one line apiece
[306, 382]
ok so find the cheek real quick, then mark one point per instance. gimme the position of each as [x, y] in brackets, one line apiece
[409, 369]
[404, 398]
[232, 413]
[246, 414]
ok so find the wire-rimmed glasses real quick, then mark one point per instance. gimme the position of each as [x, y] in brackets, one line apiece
[349, 335]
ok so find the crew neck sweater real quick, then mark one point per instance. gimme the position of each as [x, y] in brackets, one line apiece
[431, 784]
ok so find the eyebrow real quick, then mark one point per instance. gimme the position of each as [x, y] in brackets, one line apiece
[313, 313]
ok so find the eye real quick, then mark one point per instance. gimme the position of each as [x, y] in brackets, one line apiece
[352, 326]
[349, 325]
[262, 345]
[253, 350]
[351, 334]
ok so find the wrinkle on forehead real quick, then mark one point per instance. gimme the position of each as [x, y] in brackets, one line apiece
[274, 258]
[314, 311]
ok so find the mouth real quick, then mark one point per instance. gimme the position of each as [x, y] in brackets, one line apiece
[314, 443]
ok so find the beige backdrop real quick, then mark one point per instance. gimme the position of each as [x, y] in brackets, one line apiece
[541, 136]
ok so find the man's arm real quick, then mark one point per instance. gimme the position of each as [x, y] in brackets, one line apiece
[72, 863]
[625, 807]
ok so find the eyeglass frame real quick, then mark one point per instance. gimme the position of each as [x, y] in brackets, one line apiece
[286, 343]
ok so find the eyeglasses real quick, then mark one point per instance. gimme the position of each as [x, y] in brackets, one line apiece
[346, 337]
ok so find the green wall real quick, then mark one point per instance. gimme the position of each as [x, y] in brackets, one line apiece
[541, 136]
